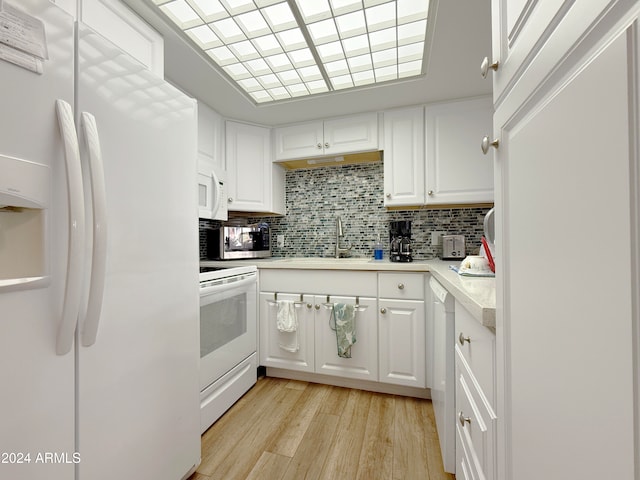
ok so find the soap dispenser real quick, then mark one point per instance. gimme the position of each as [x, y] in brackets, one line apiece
[377, 249]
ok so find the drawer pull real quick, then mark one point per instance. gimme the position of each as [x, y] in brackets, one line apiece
[463, 419]
[309, 306]
[383, 310]
[463, 339]
[317, 307]
[401, 286]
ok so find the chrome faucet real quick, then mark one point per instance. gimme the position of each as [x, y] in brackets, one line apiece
[339, 234]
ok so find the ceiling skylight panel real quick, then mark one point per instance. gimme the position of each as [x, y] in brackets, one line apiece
[209, 10]
[384, 58]
[363, 78]
[351, 24]
[412, 32]
[237, 71]
[314, 10]
[279, 63]
[250, 84]
[356, 45]
[298, 90]
[279, 93]
[236, 7]
[265, 3]
[412, 10]
[323, 32]
[261, 96]
[340, 7]
[337, 68]
[222, 55]
[341, 82]
[291, 39]
[258, 67]
[267, 45]
[289, 77]
[228, 30]
[317, 86]
[181, 14]
[269, 81]
[410, 69]
[244, 50]
[381, 16]
[310, 74]
[413, 51]
[360, 63]
[331, 51]
[386, 74]
[301, 58]
[253, 24]
[280, 17]
[383, 39]
[204, 37]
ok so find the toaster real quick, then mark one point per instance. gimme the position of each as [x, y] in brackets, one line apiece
[453, 247]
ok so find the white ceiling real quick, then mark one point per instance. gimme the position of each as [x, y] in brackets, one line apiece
[461, 37]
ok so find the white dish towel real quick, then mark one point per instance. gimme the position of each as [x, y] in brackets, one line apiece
[287, 324]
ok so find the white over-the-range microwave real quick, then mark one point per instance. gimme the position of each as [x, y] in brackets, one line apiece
[212, 202]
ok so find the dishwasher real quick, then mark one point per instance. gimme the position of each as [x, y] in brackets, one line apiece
[443, 384]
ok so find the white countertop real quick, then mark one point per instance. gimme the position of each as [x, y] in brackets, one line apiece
[476, 294]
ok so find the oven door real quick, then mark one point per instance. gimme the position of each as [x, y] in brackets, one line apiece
[228, 323]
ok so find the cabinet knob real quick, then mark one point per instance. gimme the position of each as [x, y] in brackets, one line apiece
[401, 286]
[463, 339]
[230, 200]
[309, 306]
[463, 419]
[486, 143]
[430, 193]
[319, 145]
[485, 66]
[383, 310]
[316, 306]
[388, 195]
[326, 145]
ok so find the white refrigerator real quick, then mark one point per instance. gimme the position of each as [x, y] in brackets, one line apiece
[99, 340]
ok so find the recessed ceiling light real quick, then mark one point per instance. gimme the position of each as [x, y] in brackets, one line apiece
[280, 49]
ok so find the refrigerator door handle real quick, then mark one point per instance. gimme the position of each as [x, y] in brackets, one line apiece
[99, 256]
[73, 287]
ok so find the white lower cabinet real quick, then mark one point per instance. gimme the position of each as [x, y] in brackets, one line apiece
[389, 347]
[475, 398]
[318, 348]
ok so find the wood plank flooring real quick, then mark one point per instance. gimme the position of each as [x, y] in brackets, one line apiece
[290, 430]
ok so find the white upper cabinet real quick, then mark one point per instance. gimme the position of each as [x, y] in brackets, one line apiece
[404, 157]
[210, 139]
[520, 26]
[457, 170]
[255, 183]
[120, 25]
[356, 133]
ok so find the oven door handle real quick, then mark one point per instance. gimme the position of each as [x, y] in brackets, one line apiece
[226, 285]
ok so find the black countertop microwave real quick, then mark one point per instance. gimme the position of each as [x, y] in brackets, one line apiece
[234, 242]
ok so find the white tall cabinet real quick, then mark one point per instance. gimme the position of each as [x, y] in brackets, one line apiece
[567, 117]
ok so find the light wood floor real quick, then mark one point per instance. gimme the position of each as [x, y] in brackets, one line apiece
[290, 430]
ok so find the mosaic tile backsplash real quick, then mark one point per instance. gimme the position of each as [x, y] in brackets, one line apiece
[316, 196]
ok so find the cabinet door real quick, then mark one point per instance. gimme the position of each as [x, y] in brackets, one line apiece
[210, 140]
[402, 342]
[357, 133]
[249, 167]
[274, 351]
[457, 171]
[299, 141]
[363, 363]
[404, 157]
[564, 161]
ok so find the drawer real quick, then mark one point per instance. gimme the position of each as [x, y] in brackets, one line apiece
[407, 286]
[475, 426]
[477, 345]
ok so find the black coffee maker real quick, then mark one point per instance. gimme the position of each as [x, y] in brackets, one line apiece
[400, 238]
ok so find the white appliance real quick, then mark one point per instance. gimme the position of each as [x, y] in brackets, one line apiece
[212, 200]
[443, 386]
[228, 337]
[99, 330]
